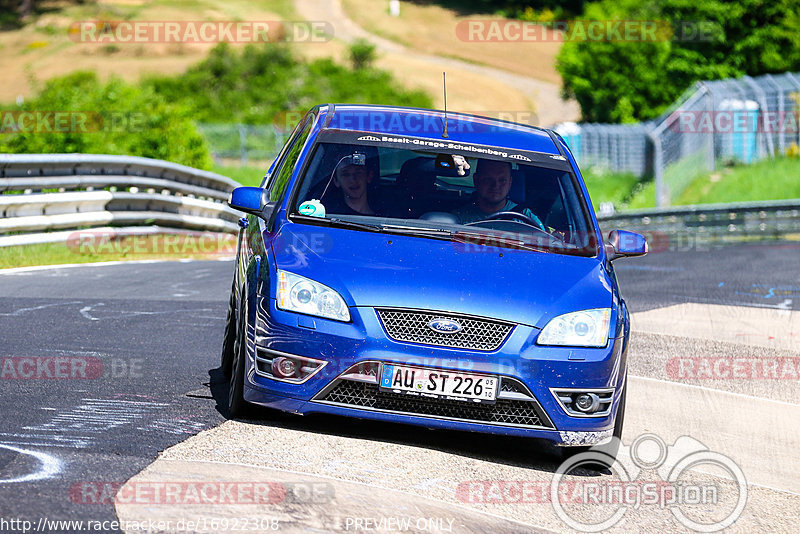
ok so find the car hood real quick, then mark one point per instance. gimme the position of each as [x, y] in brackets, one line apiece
[377, 270]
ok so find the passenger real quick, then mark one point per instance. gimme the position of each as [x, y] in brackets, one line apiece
[352, 181]
[492, 181]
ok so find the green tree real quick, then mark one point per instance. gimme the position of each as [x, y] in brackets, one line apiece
[509, 8]
[114, 117]
[623, 81]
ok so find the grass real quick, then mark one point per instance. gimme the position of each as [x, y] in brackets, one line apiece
[771, 179]
[607, 186]
[679, 175]
[250, 175]
[644, 197]
[775, 179]
[150, 247]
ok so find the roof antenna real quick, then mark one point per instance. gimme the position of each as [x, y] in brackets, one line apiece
[444, 88]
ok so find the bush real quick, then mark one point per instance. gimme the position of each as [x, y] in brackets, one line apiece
[113, 118]
[362, 54]
[259, 84]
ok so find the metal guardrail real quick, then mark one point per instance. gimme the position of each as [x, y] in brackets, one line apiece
[45, 192]
[710, 224]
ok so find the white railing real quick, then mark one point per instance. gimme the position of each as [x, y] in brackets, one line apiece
[47, 192]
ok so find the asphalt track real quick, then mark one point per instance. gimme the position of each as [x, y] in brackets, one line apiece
[150, 335]
[155, 330]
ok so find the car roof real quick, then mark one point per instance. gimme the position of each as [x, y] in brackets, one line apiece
[428, 123]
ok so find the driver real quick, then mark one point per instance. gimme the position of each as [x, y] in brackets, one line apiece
[352, 181]
[492, 180]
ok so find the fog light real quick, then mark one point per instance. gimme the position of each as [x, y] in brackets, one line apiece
[284, 367]
[586, 402]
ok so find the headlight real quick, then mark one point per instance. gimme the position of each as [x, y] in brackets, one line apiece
[587, 328]
[299, 294]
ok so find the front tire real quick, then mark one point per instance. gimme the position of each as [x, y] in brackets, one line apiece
[229, 337]
[237, 406]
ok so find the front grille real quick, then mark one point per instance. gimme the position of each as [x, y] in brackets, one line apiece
[503, 411]
[475, 334]
[512, 386]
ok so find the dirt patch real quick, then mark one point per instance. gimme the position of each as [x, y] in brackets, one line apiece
[432, 29]
[43, 49]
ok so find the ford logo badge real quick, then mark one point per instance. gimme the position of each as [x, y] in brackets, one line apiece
[444, 326]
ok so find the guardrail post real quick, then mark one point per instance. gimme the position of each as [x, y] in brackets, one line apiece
[662, 199]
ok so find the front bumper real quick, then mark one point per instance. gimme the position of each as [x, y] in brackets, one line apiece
[526, 406]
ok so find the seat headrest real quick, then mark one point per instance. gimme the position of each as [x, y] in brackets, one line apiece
[517, 191]
[417, 172]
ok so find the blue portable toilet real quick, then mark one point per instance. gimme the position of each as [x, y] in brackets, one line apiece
[571, 132]
[740, 133]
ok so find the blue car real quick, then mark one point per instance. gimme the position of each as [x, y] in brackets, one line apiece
[429, 268]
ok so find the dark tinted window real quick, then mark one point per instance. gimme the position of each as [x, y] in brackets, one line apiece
[408, 184]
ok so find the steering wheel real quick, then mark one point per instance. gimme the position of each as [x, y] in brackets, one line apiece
[513, 215]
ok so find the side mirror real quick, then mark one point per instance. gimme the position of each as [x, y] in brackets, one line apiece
[250, 200]
[624, 244]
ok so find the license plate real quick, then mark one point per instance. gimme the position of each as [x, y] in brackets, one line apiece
[436, 383]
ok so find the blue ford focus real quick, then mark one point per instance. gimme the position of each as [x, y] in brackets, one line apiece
[433, 269]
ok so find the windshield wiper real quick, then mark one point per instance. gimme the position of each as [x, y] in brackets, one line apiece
[424, 231]
[344, 223]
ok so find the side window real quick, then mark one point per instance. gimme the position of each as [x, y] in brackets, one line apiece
[283, 171]
[268, 177]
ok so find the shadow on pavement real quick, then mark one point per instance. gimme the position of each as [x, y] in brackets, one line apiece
[526, 453]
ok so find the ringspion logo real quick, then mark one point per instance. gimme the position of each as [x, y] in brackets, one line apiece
[651, 473]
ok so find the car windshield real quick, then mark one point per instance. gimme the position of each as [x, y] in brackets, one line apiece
[490, 200]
